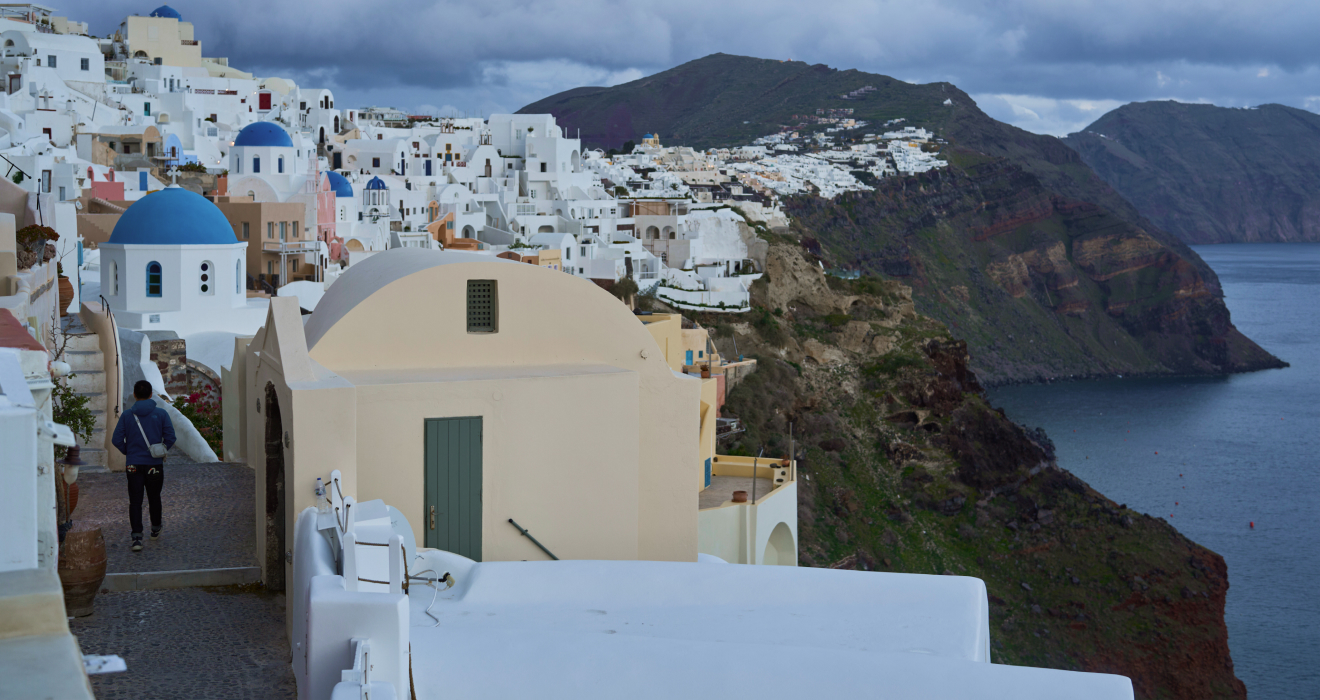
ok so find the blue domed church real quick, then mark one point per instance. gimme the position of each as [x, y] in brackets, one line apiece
[172, 264]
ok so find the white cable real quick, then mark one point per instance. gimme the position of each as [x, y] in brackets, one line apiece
[435, 591]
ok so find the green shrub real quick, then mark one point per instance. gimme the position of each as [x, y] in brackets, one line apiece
[70, 408]
[769, 328]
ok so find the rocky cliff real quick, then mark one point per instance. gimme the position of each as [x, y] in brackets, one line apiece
[1039, 284]
[905, 467]
[1211, 174]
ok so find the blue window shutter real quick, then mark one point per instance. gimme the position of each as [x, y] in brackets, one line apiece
[707, 472]
[689, 358]
[142, 181]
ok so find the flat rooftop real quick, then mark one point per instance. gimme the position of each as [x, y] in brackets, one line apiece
[721, 490]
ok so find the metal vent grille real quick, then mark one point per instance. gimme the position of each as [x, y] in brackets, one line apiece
[481, 306]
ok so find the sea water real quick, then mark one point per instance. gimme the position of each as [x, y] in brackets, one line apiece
[1214, 454]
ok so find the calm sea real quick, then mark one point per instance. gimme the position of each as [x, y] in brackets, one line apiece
[1232, 451]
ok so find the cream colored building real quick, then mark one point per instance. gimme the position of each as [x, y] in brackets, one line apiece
[162, 40]
[532, 395]
[165, 39]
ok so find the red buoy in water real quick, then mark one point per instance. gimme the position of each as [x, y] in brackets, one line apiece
[1253, 524]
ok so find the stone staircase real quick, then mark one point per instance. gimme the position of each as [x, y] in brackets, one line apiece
[83, 353]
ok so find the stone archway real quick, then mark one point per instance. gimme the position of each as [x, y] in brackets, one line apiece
[779, 549]
[275, 501]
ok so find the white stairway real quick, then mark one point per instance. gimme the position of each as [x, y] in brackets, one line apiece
[83, 353]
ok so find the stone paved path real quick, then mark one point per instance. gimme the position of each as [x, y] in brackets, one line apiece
[225, 642]
[207, 513]
[221, 642]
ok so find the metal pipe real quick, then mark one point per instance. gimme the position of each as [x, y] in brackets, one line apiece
[528, 535]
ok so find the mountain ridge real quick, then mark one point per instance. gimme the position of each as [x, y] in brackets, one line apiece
[701, 104]
[1212, 174]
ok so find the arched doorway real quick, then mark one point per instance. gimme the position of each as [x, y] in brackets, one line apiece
[336, 124]
[323, 134]
[275, 544]
[780, 550]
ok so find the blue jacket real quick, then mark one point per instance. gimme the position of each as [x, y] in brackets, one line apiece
[155, 423]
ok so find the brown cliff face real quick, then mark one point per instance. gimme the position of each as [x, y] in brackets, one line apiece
[1041, 286]
[905, 467]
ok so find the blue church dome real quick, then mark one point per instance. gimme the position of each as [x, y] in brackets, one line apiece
[376, 184]
[173, 216]
[166, 11]
[263, 134]
[339, 184]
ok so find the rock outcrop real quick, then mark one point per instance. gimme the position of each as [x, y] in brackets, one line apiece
[904, 466]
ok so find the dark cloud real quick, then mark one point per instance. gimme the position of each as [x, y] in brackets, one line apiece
[1055, 60]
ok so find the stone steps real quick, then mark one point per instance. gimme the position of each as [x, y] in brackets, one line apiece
[82, 350]
[85, 360]
[89, 382]
[80, 342]
[94, 456]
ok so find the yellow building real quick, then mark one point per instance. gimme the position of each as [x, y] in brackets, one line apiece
[165, 39]
[470, 392]
[758, 525]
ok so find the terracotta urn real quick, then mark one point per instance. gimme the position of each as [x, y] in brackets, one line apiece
[66, 295]
[82, 569]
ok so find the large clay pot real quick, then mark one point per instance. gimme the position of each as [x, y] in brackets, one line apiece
[82, 569]
[66, 295]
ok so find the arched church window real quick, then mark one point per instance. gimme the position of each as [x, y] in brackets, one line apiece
[114, 278]
[153, 279]
[256, 165]
[205, 278]
[238, 276]
[279, 165]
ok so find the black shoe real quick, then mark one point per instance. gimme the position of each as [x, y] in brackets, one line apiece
[155, 532]
[137, 543]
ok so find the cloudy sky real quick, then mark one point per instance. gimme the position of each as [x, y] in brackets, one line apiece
[1050, 66]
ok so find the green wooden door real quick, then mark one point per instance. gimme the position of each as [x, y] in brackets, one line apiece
[453, 485]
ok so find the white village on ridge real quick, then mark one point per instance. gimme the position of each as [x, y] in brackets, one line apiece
[470, 464]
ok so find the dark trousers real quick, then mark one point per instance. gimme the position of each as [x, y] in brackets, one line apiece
[152, 478]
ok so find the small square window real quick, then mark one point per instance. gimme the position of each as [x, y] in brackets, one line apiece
[482, 306]
[86, 64]
[375, 162]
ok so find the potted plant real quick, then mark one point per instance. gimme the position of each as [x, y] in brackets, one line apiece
[32, 242]
[82, 557]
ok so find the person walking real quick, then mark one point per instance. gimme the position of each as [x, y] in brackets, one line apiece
[144, 434]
